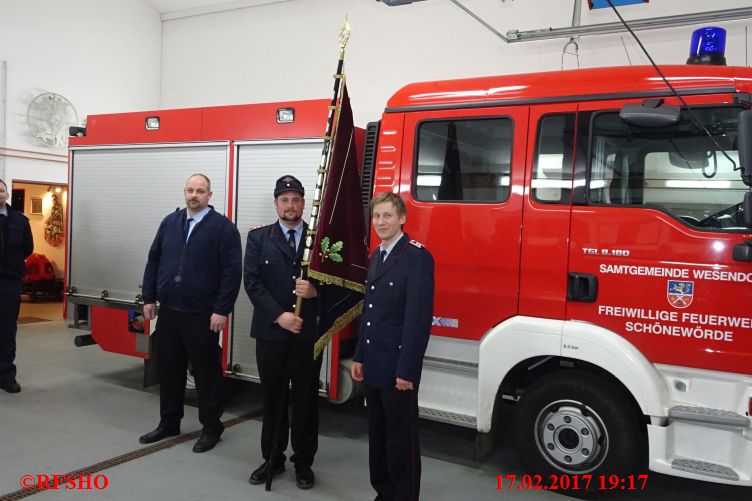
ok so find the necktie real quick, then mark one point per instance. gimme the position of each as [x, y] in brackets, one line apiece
[380, 260]
[187, 227]
[291, 240]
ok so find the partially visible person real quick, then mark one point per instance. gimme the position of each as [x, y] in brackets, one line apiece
[16, 244]
[194, 271]
[284, 341]
[394, 329]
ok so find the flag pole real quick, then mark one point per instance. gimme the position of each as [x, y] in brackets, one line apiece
[326, 156]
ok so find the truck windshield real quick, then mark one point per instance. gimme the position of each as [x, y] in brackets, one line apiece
[677, 168]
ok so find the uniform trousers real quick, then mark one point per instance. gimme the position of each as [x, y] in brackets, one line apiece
[282, 365]
[183, 337]
[393, 445]
[10, 304]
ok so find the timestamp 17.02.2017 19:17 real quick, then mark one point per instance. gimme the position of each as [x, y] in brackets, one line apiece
[584, 482]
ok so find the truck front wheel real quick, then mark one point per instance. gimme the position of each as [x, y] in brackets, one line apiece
[573, 423]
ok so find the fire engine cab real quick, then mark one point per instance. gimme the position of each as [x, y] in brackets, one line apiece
[591, 232]
[592, 241]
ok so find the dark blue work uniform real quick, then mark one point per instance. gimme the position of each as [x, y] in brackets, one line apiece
[394, 331]
[16, 244]
[192, 280]
[269, 272]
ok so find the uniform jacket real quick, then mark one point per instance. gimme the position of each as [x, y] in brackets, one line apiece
[198, 276]
[16, 244]
[397, 315]
[269, 274]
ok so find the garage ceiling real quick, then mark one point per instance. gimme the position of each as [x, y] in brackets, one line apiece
[176, 8]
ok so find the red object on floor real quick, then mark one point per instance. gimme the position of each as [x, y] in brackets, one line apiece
[38, 267]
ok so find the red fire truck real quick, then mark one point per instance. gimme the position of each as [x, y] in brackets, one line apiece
[593, 251]
[127, 171]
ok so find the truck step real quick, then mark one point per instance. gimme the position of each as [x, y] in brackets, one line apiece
[447, 417]
[704, 468]
[708, 415]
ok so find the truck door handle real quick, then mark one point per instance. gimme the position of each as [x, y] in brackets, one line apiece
[743, 252]
[582, 287]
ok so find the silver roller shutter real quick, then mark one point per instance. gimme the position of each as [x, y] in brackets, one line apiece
[118, 198]
[259, 166]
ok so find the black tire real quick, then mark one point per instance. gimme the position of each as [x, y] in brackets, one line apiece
[572, 423]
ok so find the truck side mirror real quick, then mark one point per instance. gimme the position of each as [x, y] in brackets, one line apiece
[649, 114]
[744, 138]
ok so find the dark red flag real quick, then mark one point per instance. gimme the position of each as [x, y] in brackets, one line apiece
[339, 255]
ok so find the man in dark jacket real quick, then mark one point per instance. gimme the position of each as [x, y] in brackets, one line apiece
[193, 270]
[284, 341]
[393, 335]
[16, 244]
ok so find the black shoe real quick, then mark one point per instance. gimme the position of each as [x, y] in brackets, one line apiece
[11, 386]
[207, 441]
[304, 477]
[158, 434]
[261, 473]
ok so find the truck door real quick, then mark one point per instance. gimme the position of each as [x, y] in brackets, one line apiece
[462, 172]
[653, 234]
[546, 210]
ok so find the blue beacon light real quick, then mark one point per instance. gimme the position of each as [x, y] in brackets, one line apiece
[708, 46]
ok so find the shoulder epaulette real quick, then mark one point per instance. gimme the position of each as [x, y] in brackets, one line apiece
[258, 227]
[416, 244]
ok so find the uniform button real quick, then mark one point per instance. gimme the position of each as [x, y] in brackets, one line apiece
[368, 341]
[372, 287]
[391, 284]
[293, 277]
[368, 324]
[370, 306]
[399, 347]
[266, 261]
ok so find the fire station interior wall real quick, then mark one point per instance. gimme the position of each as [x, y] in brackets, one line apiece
[116, 214]
[102, 55]
[44, 192]
[288, 49]
[259, 166]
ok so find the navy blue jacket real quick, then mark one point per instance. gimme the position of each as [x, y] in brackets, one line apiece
[397, 315]
[16, 244]
[198, 276]
[269, 274]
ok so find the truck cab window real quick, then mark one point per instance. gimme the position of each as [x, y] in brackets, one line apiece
[464, 160]
[676, 168]
[552, 168]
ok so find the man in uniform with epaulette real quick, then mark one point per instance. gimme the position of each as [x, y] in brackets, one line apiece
[284, 341]
[394, 331]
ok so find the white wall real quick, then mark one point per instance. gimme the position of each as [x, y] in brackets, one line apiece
[288, 50]
[103, 55]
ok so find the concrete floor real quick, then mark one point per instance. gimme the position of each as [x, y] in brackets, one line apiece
[82, 406]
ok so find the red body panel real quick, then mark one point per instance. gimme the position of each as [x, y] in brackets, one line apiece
[109, 328]
[218, 123]
[562, 84]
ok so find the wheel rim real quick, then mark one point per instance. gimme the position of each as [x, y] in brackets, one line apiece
[571, 436]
